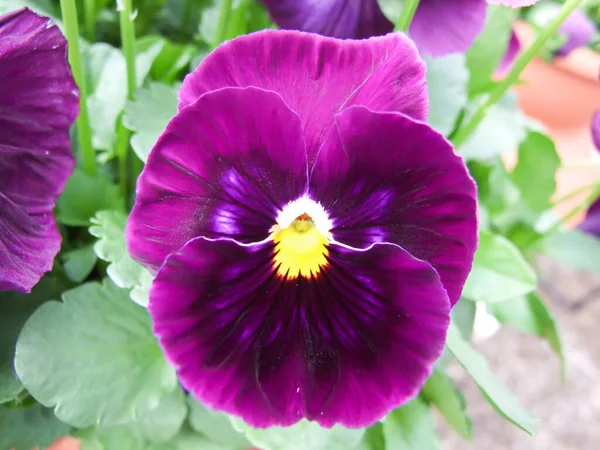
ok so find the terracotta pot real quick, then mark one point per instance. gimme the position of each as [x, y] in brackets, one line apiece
[563, 95]
[66, 443]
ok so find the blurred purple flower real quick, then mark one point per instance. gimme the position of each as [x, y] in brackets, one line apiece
[513, 49]
[38, 104]
[439, 27]
[591, 223]
[309, 232]
[578, 30]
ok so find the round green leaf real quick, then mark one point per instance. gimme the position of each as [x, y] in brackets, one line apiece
[410, 427]
[500, 272]
[29, 427]
[93, 357]
[216, 426]
[301, 436]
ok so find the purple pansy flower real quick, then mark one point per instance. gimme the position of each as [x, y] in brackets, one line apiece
[439, 27]
[309, 232]
[513, 49]
[38, 104]
[578, 29]
[591, 224]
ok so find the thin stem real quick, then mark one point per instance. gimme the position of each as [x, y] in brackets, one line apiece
[89, 10]
[84, 131]
[186, 18]
[128, 43]
[224, 14]
[128, 47]
[406, 16]
[522, 61]
[576, 192]
[591, 198]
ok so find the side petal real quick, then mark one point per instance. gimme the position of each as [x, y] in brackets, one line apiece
[345, 19]
[383, 177]
[318, 76]
[224, 167]
[591, 223]
[344, 347]
[38, 105]
[513, 49]
[440, 27]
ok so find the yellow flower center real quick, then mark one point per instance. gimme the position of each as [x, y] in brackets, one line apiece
[300, 249]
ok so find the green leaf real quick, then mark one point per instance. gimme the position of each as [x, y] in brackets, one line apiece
[148, 116]
[15, 309]
[109, 228]
[535, 172]
[489, 48]
[373, 438]
[121, 437]
[93, 357]
[106, 77]
[162, 423]
[172, 59]
[83, 196]
[502, 129]
[28, 427]
[79, 263]
[447, 80]
[216, 426]
[573, 248]
[531, 315]
[441, 391]
[497, 395]
[500, 272]
[410, 427]
[301, 436]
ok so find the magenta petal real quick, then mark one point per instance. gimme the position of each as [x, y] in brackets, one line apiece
[38, 105]
[384, 177]
[354, 19]
[596, 129]
[317, 76]
[440, 27]
[345, 347]
[513, 49]
[224, 167]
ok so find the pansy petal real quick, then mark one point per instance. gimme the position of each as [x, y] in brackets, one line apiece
[513, 49]
[224, 167]
[596, 129]
[383, 177]
[318, 76]
[344, 347]
[346, 19]
[38, 104]
[440, 27]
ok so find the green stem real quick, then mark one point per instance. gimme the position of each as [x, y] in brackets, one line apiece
[186, 18]
[576, 192]
[89, 10]
[522, 61]
[591, 198]
[128, 47]
[406, 16]
[128, 43]
[84, 131]
[224, 14]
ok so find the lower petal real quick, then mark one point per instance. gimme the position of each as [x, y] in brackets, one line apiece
[346, 346]
[440, 27]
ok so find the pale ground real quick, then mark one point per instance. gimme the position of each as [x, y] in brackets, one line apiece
[569, 413]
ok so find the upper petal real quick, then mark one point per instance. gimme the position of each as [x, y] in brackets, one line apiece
[38, 105]
[354, 19]
[318, 76]
[383, 177]
[224, 167]
[344, 347]
[579, 30]
[440, 27]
